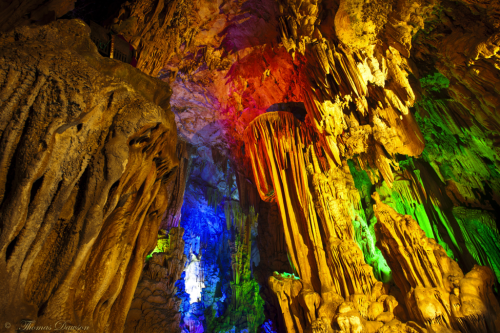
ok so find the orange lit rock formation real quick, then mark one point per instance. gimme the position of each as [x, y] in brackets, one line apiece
[88, 150]
[437, 293]
[315, 198]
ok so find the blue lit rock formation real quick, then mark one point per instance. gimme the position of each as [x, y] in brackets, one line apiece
[205, 282]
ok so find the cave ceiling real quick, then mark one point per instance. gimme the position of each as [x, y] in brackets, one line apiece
[228, 62]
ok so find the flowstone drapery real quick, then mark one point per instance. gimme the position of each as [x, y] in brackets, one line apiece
[437, 293]
[88, 151]
[335, 288]
[315, 200]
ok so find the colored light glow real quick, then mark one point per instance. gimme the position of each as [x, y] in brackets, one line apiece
[193, 281]
[268, 327]
[364, 229]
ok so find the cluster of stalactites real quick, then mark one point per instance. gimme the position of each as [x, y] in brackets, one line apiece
[436, 292]
[360, 116]
[214, 197]
[298, 29]
[236, 217]
[348, 97]
[283, 134]
[293, 167]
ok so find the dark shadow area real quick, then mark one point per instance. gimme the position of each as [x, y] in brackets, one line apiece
[298, 109]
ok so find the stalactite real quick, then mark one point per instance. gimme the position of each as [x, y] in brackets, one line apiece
[335, 88]
[253, 218]
[481, 236]
[436, 291]
[462, 154]
[287, 158]
[227, 214]
[213, 197]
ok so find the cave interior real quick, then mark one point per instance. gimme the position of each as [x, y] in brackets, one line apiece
[257, 166]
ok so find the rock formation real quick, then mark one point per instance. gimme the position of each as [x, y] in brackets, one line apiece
[245, 307]
[273, 258]
[342, 163]
[437, 293]
[155, 307]
[177, 188]
[315, 199]
[88, 150]
[15, 13]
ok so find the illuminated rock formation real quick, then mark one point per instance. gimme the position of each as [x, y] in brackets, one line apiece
[194, 281]
[244, 311]
[299, 114]
[334, 285]
[305, 182]
[177, 188]
[437, 294]
[155, 307]
[88, 150]
[207, 237]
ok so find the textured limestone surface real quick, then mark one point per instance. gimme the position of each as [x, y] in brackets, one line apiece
[397, 98]
[155, 307]
[177, 188]
[362, 137]
[88, 149]
[437, 293]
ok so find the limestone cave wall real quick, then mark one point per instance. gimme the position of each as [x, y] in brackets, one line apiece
[88, 151]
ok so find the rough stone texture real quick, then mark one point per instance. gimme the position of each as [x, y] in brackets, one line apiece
[401, 99]
[437, 293]
[16, 13]
[88, 148]
[177, 188]
[155, 307]
[316, 200]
